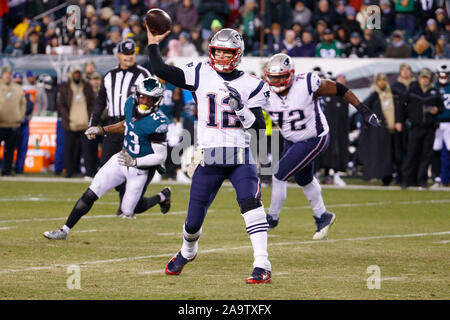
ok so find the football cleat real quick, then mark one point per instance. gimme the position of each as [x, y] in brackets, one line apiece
[130, 216]
[165, 205]
[176, 264]
[59, 234]
[323, 225]
[272, 222]
[260, 275]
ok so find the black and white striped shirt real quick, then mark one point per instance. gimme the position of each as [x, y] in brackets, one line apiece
[117, 85]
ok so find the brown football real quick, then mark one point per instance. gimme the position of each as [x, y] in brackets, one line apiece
[158, 21]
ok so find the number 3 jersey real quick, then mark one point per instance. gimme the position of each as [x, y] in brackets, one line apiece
[298, 116]
[218, 125]
[139, 132]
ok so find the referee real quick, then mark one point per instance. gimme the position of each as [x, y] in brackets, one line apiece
[117, 85]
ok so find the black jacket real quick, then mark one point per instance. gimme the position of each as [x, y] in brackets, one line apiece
[415, 105]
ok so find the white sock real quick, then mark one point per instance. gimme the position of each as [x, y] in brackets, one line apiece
[162, 197]
[257, 226]
[66, 229]
[313, 193]
[190, 243]
[278, 197]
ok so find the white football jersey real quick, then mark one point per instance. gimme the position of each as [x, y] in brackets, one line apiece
[298, 116]
[218, 125]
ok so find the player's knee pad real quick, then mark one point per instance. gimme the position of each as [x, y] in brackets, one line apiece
[249, 204]
[87, 200]
[191, 234]
[256, 220]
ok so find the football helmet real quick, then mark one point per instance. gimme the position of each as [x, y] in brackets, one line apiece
[279, 72]
[149, 87]
[226, 39]
[443, 73]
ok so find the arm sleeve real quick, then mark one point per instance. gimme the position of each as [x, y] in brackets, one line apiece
[157, 157]
[260, 122]
[100, 105]
[172, 74]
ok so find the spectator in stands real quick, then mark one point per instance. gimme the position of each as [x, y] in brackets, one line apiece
[187, 15]
[355, 48]
[137, 7]
[95, 80]
[301, 14]
[431, 31]
[340, 12]
[425, 10]
[363, 14]
[328, 47]
[15, 47]
[174, 48]
[374, 42]
[398, 47]
[76, 101]
[53, 47]
[275, 40]
[210, 10]
[324, 12]
[187, 48]
[233, 19]
[197, 41]
[138, 34]
[35, 45]
[422, 48]
[341, 35]
[169, 6]
[95, 32]
[277, 11]
[404, 16]
[441, 19]
[113, 38]
[249, 14]
[89, 68]
[22, 27]
[442, 49]
[321, 26]
[12, 112]
[387, 17]
[421, 105]
[308, 48]
[291, 46]
[351, 25]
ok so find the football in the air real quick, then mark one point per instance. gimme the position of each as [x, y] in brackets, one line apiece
[158, 21]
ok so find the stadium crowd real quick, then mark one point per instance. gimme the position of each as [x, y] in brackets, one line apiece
[328, 29]
[324, 28]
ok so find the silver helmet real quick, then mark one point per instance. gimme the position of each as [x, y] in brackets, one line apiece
[279, 72]
[443, 73]
[226, 39]
[149, 87]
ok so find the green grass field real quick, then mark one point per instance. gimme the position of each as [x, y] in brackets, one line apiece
[405, 233]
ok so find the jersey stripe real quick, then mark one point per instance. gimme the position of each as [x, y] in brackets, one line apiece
[319, 125]
[308, 82]
[257, 90]
[197, 75]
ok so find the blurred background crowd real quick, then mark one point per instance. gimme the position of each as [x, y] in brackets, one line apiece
[324, 28]
[411, 149]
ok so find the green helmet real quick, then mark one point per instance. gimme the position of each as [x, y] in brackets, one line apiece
[152, 88]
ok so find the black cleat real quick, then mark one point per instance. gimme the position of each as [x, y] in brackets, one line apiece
[165, 205]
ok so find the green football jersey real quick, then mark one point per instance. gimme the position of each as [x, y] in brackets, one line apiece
[139, 131]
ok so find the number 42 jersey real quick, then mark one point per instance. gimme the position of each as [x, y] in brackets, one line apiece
[218, 125]
[298, 116]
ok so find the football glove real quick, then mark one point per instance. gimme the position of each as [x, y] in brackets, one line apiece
[92, 132]
[126, 160]
[235, 98]
[369, 118]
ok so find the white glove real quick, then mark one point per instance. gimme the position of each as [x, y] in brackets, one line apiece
[126, 160]
[92, 132]
[175, 130]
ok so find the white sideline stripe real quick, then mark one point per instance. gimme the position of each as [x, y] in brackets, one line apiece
[166, 182]
[91, 217]
[6, 228]
[82, 231]
[444, 241]
[392, 278]
[165, 255]
[369, 204]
